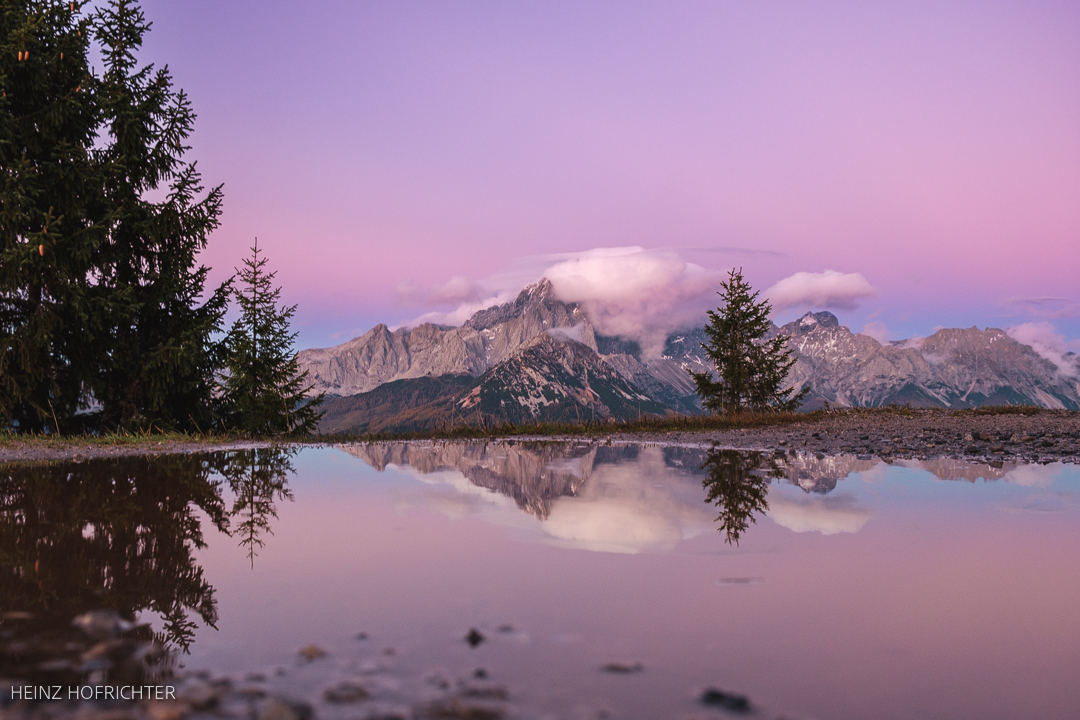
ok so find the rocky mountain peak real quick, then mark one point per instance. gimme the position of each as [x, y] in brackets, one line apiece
[810, 322]
[428, 350]
[536, 299]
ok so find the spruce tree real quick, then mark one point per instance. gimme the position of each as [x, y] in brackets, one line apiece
[264, 391]
[101, 297]
[751, 369]
[157, 355]
[48, 235]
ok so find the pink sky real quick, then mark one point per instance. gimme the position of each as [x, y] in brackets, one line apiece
[933, 148]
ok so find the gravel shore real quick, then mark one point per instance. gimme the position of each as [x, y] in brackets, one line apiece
[15, 450]
[981, 436]
[1043, 436]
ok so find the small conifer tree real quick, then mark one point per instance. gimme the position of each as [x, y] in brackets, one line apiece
[751, 369]
[264, 391]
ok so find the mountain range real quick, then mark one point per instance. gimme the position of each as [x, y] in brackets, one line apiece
[539, 359]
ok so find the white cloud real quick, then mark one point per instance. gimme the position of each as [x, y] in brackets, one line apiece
[824, 290]
[1046, 307]
[457, 289]
[462, 312]
[915, 343]
[408, 293]
[635, 293]
[628, 291]
[632, 292]
[1044, 339]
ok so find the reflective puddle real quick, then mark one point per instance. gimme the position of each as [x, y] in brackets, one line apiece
[592, 580]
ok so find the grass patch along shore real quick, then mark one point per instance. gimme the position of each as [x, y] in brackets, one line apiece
[22, 447]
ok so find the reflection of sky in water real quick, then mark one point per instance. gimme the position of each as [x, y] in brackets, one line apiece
[871, 590]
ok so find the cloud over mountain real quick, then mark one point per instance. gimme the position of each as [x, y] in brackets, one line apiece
[828, 290]
[632, 292]
[1047, 342]
[635, 293]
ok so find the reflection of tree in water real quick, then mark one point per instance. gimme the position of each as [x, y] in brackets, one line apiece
[114, 534]
[257, 478]
[118, 536]
[738, 484]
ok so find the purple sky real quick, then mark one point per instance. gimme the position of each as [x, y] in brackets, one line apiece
[380, 149]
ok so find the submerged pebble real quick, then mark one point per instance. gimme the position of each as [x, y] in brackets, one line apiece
[275, 708]
[474, 637]
[622, 668]
[726, 700]
[346, 691]
[311, 652]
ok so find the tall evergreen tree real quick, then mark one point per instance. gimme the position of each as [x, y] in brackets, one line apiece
[48, 234]
[265, 392]
[157, 355]
[751, 369]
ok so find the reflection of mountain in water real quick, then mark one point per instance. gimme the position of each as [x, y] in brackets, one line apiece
[597, 496]
[953, 469]
[811, 472]
[820, 473]
[533, 474]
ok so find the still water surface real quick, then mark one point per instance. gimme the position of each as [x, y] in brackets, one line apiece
[827, 587]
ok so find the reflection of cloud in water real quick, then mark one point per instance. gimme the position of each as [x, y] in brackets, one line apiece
[827, 515]
[451, 494]
[875, 475]
[630, 507]
[626, 505]
[1039, 476]
[610, 525]
[636, 498]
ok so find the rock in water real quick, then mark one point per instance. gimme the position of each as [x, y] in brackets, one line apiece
[474, 637]
[728, 701]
